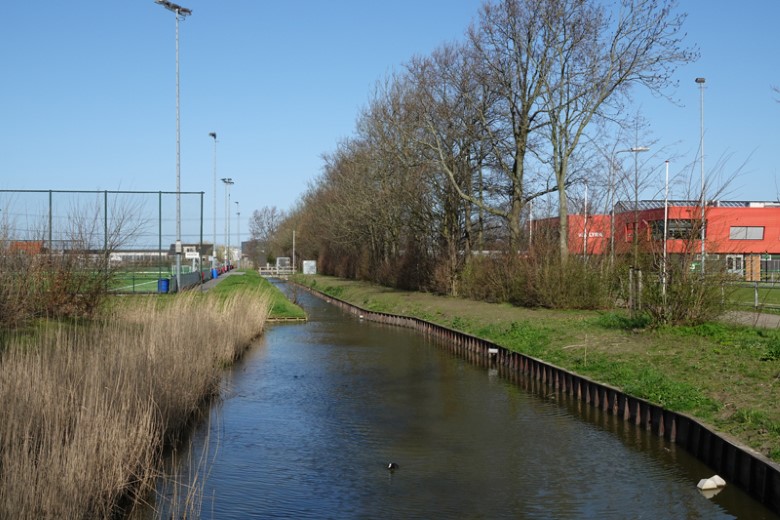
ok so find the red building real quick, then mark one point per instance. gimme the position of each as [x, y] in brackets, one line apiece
[30, 247]
[746, 235]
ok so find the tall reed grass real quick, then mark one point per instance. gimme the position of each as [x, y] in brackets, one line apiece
[86, 411]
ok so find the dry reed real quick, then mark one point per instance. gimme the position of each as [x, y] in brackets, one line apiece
[86, 411]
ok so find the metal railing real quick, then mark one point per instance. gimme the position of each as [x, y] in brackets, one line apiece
[273, 271]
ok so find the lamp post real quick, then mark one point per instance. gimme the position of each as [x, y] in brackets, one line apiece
[701, 82]
[666, 235]
[634, 150]
[214, 252]
[585, 225]
[181, 13]
[238, 234]
[228, 181]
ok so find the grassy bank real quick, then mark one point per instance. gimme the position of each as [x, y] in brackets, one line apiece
[88, 407]
[281, 306]
[726, 375]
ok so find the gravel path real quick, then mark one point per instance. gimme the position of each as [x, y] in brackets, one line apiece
[755, 319]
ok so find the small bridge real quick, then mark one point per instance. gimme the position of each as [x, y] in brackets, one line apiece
[271, 271]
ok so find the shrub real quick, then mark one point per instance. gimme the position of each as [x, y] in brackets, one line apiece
[43, 285]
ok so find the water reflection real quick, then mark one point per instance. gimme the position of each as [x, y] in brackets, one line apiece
[315, 412]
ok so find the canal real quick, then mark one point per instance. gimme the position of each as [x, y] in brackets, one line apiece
[315, 412]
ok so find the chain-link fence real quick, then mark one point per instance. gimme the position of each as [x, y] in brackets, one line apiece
[134, 233]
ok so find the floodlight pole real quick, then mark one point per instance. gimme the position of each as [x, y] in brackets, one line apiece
[238, 234]
[228, 182]
[214, 251]
[180, 12]
[701, 82]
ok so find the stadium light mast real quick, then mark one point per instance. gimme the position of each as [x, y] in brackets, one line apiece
[214, 251]
[228, 182]
[238, 234]
[181, 13]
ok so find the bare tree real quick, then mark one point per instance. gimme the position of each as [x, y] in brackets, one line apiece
[73, 282]
[263, 226]
[596, 58]
[449, 104]
[510, 67]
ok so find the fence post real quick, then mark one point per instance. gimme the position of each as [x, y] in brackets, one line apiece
[51, 217]
[755, 295]
[639, 291]
[200, 244]
[159, 234]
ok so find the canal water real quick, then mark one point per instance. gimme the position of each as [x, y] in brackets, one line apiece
[315, 412]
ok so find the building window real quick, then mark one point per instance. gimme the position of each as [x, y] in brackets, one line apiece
[746, 233]
[675, 229]
[770, 267]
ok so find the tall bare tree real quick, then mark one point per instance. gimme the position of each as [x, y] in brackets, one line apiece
[595, 59]
[263, 226]
[510, 66]
[448, 102]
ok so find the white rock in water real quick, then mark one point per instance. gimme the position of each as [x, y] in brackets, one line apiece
[719, 481]
[706, 484]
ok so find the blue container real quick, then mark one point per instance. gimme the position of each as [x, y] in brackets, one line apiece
[214, 273]
[162, 285]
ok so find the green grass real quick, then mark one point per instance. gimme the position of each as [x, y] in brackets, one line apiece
[754, 343]
[145, 281]
[744, 295]
[281, 308]
[142, 279]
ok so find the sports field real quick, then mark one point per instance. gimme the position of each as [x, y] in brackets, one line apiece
[144, 280]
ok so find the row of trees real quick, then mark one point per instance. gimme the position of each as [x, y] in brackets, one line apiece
[451, 152]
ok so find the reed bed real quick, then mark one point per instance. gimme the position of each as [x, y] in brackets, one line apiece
[86, 411]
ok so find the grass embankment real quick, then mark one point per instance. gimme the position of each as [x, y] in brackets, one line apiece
[87, 408]
[727, 376]
[281, 307]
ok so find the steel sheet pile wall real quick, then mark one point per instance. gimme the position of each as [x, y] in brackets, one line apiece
[738, 464]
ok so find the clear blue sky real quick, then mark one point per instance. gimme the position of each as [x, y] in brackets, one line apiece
[88, 91]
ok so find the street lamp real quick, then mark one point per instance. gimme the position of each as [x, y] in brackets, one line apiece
[634, 150]
[238, 234]
[666, 234]
[585, 225]
[214, 252]
[228, 181]
[180, 12]
[701, 82]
